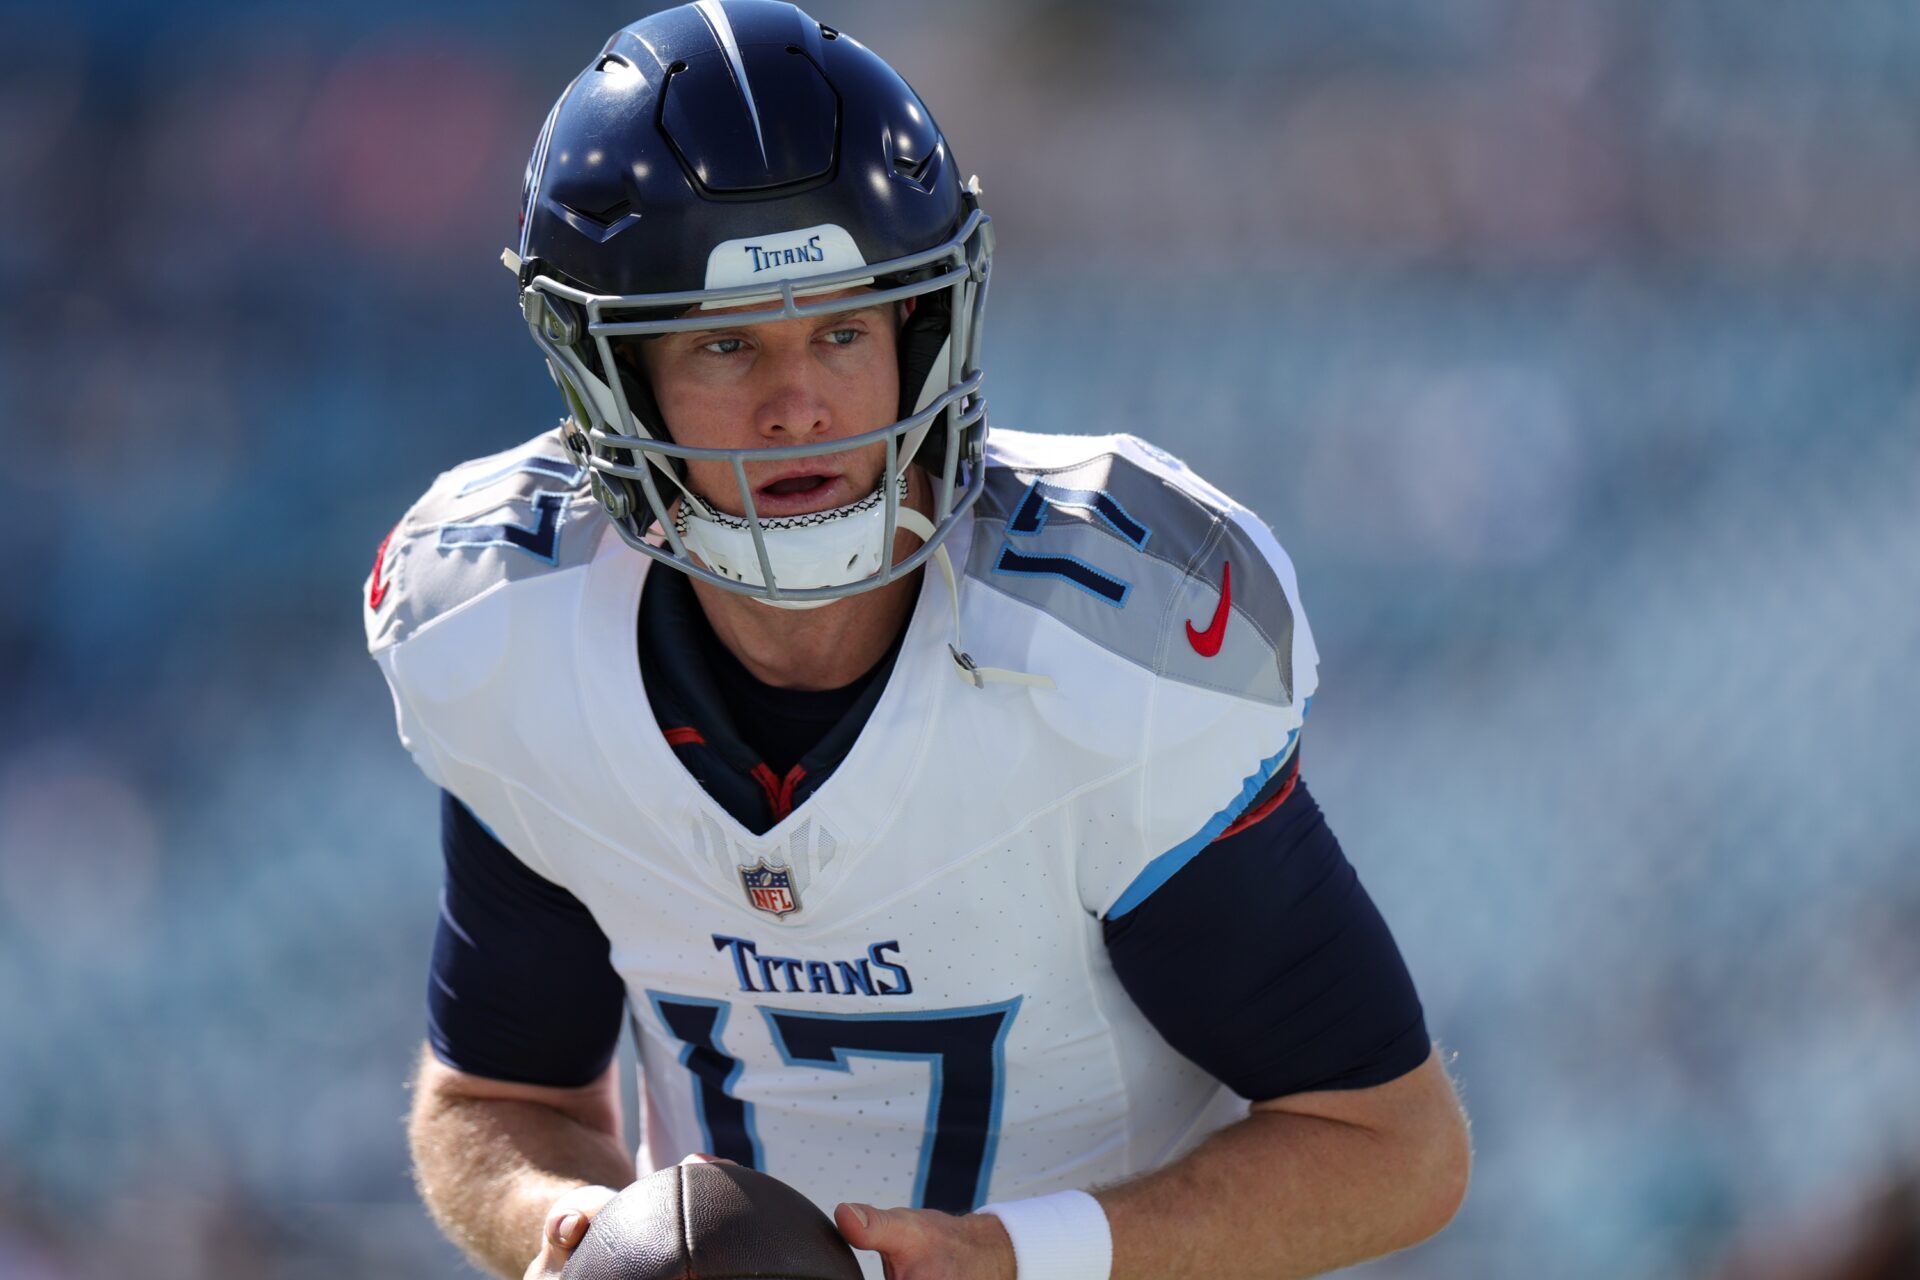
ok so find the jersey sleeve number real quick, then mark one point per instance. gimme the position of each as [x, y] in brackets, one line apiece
[964, 1050]
[1030, 517]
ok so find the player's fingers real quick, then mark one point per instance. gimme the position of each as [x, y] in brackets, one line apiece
[701, 1157]
[566, 1230]
[569, 1215]
[885, 1230]
[852, 1219]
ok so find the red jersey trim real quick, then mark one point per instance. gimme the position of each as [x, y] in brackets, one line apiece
[1265, 808]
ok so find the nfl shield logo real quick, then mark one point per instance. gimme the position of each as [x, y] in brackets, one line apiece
[769, 888]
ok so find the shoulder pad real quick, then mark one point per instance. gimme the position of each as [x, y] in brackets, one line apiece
[495, 520]
[1127, 547]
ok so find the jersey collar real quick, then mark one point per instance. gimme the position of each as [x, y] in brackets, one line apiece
[857, 803]
[682, 687]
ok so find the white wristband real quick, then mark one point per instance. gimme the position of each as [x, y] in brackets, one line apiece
[1064, 1236]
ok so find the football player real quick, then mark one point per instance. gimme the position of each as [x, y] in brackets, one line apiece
[926, 799]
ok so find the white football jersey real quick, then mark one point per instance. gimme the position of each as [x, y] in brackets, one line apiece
[900, 993]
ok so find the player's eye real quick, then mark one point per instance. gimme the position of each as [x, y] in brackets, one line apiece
[724, 346]
[843, 337]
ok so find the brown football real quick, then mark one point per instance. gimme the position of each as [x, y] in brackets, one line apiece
[711, 1222]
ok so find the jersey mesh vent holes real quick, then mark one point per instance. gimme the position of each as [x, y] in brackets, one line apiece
[797, 858]
[824, 847]
[742, 856]
[798, 847]
[722, 852]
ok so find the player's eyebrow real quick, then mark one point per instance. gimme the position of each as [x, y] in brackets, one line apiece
[833, 317]
[827, 320]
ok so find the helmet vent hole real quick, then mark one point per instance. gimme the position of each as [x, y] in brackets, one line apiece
[793, 48]
[675, 68]
[614, 62]
[828, 33]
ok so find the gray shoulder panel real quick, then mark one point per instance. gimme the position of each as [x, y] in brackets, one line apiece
[503, 518]
[1136, 560]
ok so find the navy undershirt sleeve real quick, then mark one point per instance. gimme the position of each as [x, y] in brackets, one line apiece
[1265, 962]
[521, 987]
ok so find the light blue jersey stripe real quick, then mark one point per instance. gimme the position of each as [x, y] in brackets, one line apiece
[1163, 868]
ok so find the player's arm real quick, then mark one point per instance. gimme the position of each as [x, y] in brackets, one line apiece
[1355, 1145]
[516, 1111]
[498, 1164]
[1302, 1186]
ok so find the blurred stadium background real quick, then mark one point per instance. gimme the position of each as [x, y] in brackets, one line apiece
[1572, 347]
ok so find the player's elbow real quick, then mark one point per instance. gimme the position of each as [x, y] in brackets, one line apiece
[439, 1088]
[1440, 1165]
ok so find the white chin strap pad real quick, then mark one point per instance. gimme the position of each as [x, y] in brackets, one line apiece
[820, 549]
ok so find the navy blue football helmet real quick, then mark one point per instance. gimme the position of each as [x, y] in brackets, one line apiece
[737, 152]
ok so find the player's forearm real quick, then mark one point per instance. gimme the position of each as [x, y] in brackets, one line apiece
[488, 1170]
[1285, 1195]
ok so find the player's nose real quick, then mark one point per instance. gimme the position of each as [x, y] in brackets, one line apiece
[793, 406]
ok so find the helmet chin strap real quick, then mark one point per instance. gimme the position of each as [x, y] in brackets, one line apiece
[829, 548]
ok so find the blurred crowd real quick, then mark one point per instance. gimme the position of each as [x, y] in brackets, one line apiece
[1572, 347]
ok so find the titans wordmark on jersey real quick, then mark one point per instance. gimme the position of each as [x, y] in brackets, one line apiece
[900, 993]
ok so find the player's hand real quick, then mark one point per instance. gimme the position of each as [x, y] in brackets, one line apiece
[564, 1228]
[566, 1222]
[923, 1244]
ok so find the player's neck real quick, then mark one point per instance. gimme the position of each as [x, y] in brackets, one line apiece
[822, 648]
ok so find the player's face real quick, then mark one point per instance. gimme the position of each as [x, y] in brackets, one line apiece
[786, 382]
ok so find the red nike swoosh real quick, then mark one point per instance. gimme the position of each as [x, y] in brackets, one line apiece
[1207, 643]
[377, 585]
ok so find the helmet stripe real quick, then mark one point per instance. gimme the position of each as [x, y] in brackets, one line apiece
[716, 17]
[537, 171]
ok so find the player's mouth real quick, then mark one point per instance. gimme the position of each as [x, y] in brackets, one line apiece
[798, 492]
